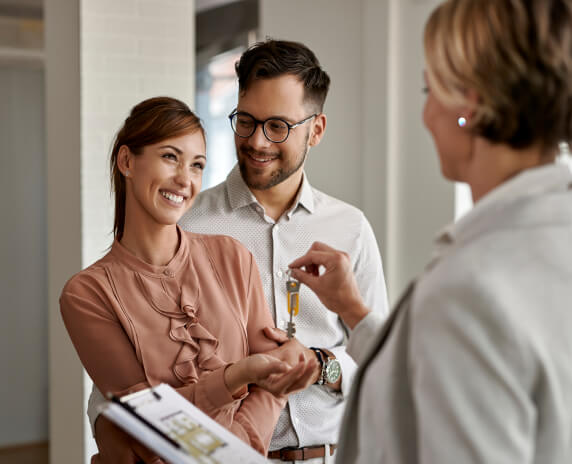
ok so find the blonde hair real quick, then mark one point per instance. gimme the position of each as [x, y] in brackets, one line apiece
[516, 55]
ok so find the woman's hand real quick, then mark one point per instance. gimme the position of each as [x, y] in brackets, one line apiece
[270, 373]
[115, 446]
[336, 287]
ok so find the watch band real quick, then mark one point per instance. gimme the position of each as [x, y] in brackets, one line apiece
[320, 355]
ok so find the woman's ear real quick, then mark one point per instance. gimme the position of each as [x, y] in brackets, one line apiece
[124, 160]
[318, 129]
[473, 100]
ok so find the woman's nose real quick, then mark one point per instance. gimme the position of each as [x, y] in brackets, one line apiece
[183, 176]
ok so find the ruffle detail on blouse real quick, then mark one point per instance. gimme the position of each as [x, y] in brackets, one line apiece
[198, 345]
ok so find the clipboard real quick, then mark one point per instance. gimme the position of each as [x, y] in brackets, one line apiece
[177, 430]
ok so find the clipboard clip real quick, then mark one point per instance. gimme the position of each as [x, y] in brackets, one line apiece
[131, 410]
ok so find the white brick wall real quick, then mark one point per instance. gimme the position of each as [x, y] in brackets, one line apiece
[130, 50]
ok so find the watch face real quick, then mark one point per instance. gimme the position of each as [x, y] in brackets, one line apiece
[333, 371]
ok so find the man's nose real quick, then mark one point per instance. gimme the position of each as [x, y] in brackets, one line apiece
[258, 140]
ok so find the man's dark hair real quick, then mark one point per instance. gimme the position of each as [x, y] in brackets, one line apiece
[274, 58]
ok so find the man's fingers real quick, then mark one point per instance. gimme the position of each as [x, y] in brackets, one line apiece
[276, 335]
[284, 384]
[148, 456]
[304, 378]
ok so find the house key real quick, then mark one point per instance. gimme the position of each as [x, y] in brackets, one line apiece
[293, 293]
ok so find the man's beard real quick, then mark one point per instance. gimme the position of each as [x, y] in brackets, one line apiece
[276, 177]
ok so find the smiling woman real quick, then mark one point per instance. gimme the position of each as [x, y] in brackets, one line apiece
[150, 126]
[163, 179]
[170, 306]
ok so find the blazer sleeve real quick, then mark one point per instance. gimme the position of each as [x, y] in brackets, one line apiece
[368, 271]
[470, 376]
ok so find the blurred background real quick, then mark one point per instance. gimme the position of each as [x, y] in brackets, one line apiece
[70, 71]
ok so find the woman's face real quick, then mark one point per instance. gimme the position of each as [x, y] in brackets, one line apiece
[164, 179]
[453, 143]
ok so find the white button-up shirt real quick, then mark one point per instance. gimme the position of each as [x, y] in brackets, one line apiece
[312, 416]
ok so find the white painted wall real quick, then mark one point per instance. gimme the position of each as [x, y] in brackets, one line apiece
[63, 150]
[376, 153]
[23, 283]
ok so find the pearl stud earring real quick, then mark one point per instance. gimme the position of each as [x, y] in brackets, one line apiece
[127, 173]
[462, 122]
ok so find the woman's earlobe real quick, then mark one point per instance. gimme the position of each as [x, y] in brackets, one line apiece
[123, 157]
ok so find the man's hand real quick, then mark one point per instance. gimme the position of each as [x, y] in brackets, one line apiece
[269, 372]
[296, 378]
[292, 351]
[117, 447]
[336, 287]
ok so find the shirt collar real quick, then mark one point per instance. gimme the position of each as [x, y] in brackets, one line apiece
[531, 182]
[305, 196]
[239, 194]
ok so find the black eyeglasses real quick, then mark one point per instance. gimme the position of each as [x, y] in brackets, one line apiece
[275, 129]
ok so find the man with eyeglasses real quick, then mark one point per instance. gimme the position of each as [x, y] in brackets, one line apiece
[268, 204]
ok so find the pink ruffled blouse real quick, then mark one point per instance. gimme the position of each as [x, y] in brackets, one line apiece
[135, 325]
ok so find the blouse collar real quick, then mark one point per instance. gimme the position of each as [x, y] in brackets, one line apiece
[122, 254]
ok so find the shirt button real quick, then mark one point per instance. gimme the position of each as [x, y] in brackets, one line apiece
[279, 273]
[169, 273]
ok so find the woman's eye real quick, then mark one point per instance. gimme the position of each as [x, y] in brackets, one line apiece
[170, 156]
[198, 165]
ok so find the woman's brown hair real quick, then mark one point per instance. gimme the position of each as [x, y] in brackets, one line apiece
[516, 55]
[149, 122]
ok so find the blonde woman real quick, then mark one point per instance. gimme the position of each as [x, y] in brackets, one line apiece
[474, 364]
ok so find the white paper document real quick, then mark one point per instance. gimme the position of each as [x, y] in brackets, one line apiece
[177, 430]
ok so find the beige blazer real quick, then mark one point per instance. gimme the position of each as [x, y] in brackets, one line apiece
[475, 363]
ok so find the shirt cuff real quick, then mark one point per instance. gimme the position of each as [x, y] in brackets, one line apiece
[96, 399]
[348, 368]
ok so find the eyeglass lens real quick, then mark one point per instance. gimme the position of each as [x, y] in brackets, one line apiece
[244, 125]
